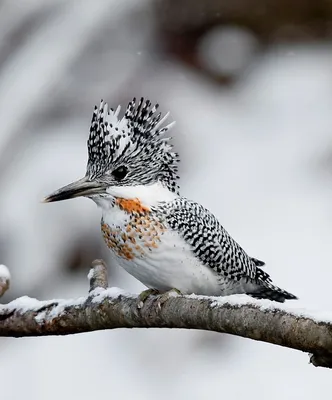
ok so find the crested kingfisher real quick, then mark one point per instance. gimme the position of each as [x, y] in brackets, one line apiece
[163, 239]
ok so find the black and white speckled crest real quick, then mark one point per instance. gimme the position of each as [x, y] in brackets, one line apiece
[135, 141]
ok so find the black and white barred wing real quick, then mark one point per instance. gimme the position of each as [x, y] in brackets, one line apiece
[213, 245]
[210, 242]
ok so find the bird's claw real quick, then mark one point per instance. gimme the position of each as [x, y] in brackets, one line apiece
[167, 295]
[142, 297]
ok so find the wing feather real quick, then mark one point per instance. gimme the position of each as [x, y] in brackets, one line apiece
[210, 242]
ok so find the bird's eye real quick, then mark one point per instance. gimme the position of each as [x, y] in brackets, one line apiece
[120, 173]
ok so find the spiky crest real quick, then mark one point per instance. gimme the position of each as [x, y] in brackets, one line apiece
[136, 139]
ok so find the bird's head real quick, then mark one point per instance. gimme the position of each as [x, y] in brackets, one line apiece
[125, 153]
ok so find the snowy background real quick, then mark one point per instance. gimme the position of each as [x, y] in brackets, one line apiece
[254, 128]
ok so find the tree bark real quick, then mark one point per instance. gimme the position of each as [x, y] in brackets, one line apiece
[110, 308]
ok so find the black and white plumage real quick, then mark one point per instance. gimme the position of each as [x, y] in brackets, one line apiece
[215, 248]
[166, 241]
[136, 139]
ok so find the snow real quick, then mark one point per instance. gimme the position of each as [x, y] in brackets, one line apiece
[272, 306]
[4, 279]
[62, 304]
[4, 273]
[26, 304]
[100, 294]
[91, 274]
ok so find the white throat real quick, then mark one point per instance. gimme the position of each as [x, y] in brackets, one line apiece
[149, 195]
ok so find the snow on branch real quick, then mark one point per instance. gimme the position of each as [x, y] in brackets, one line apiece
[4, 279]
[110, 308]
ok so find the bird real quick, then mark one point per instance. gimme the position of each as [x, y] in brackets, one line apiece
[165, 240]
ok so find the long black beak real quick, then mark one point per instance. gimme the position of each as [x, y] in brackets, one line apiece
[82, 187]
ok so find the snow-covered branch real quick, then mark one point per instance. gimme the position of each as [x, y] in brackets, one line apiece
[110, 308]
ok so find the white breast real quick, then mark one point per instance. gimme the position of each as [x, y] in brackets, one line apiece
[170, 263]
[148, 249]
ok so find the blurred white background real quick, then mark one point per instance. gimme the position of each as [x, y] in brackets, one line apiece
[252, 96]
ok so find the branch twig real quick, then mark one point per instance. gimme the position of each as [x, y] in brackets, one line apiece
[110, 308]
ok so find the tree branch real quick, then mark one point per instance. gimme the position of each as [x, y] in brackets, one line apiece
[110, 308]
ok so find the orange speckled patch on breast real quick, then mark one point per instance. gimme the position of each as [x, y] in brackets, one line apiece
[132, 206]
[117, 241]
[140, 235]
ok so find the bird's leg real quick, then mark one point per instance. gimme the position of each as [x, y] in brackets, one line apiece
[167, 295]
[144, 295]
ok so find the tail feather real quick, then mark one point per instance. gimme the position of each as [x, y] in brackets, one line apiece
[272, 293]
[266, 290]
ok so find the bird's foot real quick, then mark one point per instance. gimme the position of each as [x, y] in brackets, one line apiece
[167, 295]
[142, 297]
